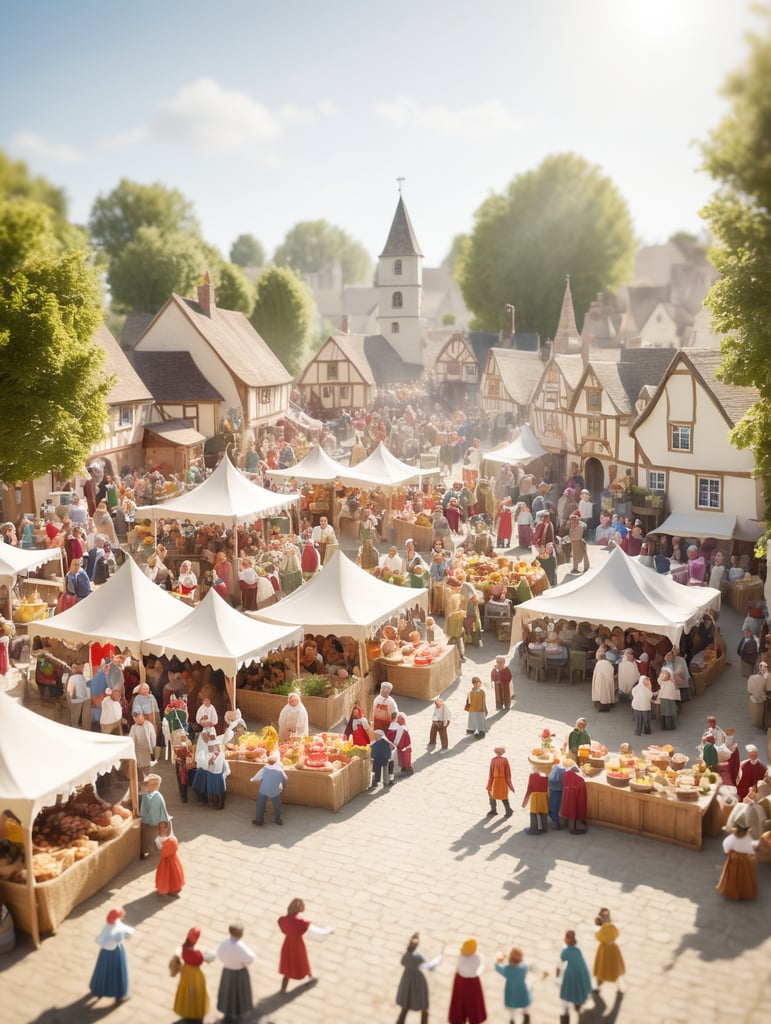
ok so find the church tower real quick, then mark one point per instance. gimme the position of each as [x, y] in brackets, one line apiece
[567, 338]
[400, 286]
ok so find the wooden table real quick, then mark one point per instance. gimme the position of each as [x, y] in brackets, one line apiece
[745, 595]
[330, 790]
[422, 681]
[323, 712]
[682, 822]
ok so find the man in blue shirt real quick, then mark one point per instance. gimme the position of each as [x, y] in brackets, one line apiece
[272, 779]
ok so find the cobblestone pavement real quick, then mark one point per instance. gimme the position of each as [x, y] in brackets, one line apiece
[422, 855]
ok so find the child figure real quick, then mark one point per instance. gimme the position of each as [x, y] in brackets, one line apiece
[538, 793]
[608, 961]
[152, 812]
[576, 984]
[169, 875]
[357, 729]
[402, 741]
[517, 995]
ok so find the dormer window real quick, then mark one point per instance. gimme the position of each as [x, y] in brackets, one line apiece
[397, 268]
[396, 300]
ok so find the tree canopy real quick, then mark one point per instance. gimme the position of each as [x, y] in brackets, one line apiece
[152, 265]
[117, 217]
[234, 290]
[284, 314]
[247, 251]
[738, 155]
[564, 217]
[52, 385]
[314, 245]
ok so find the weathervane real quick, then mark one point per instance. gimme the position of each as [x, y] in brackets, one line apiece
[400, 180]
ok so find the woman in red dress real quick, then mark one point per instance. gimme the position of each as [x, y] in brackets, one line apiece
[467, 1004]
[294, 961]
[169, 875]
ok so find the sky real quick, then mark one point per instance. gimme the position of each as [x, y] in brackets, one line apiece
[265, 114]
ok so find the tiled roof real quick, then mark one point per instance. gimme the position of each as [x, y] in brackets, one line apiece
[571, 368]
[127, 386]
[181, 432]
[237, 344]
[520, 372]
[173, 377]
[386, 364]
[734, 400]
[623, 380]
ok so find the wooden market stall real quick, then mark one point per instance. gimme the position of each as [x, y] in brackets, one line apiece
[330, 790]
[41, 764]
[421, 681]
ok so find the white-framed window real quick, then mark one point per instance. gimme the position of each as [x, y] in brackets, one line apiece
[680, 437]
[470, 369]
[264, 396]
[331, 371]
[657, 481]
[395, 327]
[551, 393]
[125, 416]
[397, 268]
[709, 492]
[345, 393]
[593, 398]
[594, 428]
[396, 300]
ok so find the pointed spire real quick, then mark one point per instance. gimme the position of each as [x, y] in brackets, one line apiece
[401, 238]
[567, 330]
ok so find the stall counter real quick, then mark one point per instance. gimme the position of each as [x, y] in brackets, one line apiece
[305, 787]
[58, 896]
[323, 712]
[422, 681]
[652, 815]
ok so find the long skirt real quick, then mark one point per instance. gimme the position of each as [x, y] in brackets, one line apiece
[525, 535]
[739, 880]
[192, 999]
[110, 977]
[234, 996]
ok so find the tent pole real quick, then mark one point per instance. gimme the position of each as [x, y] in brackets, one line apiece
[31, 887]
[134, 788]
[232, 690]
[234, 588]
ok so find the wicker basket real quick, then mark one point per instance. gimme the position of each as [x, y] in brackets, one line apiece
[689, 793]
[620, 782]
[641, 787]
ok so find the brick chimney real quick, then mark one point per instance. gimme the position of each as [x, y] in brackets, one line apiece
[344, 324]
[206, 295]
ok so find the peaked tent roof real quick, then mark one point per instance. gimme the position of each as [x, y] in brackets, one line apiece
[216, 634]
[523, 448]
[621, 592]
[344, 599]
[224, 496]
[401, 237]
[41, 760]
[125, 610]
[316, 467]
[383, 469]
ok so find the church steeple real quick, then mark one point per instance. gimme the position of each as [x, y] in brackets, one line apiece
[400, 287]
[567, 338]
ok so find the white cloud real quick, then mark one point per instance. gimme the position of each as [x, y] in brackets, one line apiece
[208, 118]
[30, 144]
[469, 123]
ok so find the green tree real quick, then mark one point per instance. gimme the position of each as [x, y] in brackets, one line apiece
[152, 266]
[52, 385]
[234, 289]
[16, 182]
[563, 217]
[117, 217]
[284, 314]
[247, 251]
[314, 245]
[454, 257]
[738, 155]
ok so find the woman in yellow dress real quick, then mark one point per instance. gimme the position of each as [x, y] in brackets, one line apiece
[608, 961]
[192, 999]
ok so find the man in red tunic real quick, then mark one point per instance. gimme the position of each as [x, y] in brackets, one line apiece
[751, 771]
[573, 806]
[501, 680]
[499, 783]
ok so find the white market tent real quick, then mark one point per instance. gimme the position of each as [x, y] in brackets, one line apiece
[22, 560]
[216, 634]
[41, 760]
[719, 525]
[125, 610]
[523, 448]
[318, 467]
[381, 468]
[226, 497]
[344, 599]
[621, 592]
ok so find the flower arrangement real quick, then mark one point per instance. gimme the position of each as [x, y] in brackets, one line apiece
[546, 739]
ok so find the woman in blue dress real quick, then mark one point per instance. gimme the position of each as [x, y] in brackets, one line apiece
[576, 982]
[111, 978]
